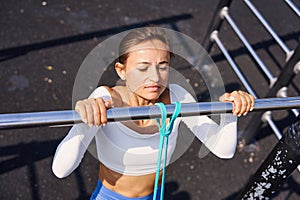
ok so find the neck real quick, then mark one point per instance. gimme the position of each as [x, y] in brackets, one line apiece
[132, 99]
[129, 98]
[135, 100]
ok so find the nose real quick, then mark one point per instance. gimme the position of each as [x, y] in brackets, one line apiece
[153, 74]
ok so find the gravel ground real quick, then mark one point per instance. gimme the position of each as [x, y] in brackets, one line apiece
[43, 44]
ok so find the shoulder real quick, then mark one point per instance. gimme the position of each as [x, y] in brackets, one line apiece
[179, 93]
[176, 88]
[107, 93]
[101, 91]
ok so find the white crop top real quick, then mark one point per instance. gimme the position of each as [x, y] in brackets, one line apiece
[130, 153]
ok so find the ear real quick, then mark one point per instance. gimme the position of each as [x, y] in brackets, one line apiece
[120, 69]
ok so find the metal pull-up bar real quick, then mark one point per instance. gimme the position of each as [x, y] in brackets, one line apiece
[50, 118]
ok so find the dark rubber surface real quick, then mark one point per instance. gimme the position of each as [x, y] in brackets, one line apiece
[44, 43]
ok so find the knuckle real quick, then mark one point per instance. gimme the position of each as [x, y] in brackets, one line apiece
[104, 121]
[238, 103]
[78, 103]
[99, 99]
[96, 112]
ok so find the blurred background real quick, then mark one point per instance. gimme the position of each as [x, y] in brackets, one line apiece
[43, 44]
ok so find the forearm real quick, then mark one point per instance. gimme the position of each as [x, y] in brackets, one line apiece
[71, 150]
[220, 138]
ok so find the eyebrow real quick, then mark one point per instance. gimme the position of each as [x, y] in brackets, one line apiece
[143, 62]
[146, 62]
[163, 62]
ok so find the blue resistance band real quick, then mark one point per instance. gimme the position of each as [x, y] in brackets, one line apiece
[164, 134]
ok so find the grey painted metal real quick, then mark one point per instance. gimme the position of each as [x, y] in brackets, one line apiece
[284, 79]
[296, 112]
[293, 7]
[268, 27]
[266, 117]
[214, 37]
[224, 13]
[271, 175]
[215, 24]
[22, 120]
[283, 93]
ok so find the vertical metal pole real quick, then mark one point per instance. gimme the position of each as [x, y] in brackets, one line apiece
[215, 24]
[283, 80]
[279, 164]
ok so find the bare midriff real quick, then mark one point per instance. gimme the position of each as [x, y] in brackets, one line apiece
[129, 186]
[126, 185]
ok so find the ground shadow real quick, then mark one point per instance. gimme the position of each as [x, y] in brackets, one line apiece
[13, 52]
[27, 154]
[172, 192]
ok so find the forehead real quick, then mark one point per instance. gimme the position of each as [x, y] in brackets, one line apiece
[149, 45]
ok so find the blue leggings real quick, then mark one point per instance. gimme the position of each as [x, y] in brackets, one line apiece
[103, 193]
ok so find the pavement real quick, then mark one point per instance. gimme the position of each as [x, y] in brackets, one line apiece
[43, 44]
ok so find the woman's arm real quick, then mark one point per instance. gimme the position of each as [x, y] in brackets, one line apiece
[220, 138]
[71, 150]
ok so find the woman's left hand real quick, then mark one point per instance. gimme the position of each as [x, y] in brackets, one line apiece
[242, 102]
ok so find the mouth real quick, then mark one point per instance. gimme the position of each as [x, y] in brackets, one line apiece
[152, 88]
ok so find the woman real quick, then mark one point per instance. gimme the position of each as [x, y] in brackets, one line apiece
[127, 151]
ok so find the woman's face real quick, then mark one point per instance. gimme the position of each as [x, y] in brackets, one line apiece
[147, 69]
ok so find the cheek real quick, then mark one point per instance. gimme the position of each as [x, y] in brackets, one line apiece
[134, 76]
[134, 80]
[137, 78]
[164, 76]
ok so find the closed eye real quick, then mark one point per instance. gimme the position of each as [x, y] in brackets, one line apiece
[163, 68]
[163, 65]
[142, 69]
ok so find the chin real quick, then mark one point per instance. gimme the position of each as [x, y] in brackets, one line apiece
[152, 97]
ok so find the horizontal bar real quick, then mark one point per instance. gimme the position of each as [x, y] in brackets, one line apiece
[283, 93]
[267, 116]
[293, 7]
[215, 24]
[49, 118]
[268, 27]
[285, 77]
[225, 14]
[214, 37]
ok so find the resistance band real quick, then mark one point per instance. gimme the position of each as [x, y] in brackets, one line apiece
[164, 134]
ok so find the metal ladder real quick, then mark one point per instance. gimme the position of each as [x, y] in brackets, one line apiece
[277, 85]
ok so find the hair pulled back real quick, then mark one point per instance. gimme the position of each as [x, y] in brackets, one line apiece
[141, 35]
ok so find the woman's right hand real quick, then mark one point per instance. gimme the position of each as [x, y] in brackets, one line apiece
[93, 111]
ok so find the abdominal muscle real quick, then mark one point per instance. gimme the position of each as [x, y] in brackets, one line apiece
[129, 186]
